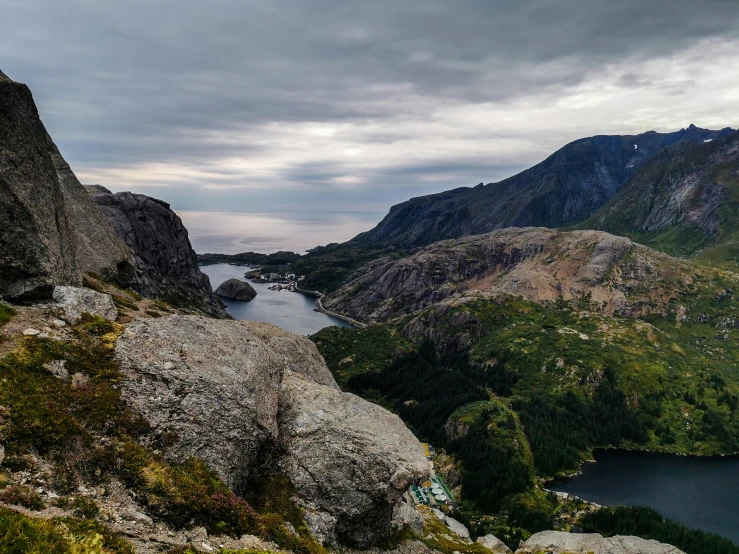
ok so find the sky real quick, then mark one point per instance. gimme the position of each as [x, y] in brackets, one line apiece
[324, 105]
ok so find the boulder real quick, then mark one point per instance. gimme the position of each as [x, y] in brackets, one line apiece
[235, 289]
[493, 543]
[211, 383]
[229, 392]
[75, 301]
[406, 516]
[558, 542]
[50, 232]
[454, 526]
[347, 457]
[166, 264]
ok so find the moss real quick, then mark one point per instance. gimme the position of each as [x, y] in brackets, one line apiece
[22, 535]
[82, 506]
[152, 313]
[439, 537]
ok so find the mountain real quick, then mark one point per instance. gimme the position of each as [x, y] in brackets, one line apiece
[685, 201]
[166, 265]
[50, 231]
[53, 232]
[570, 185]
[542, 265]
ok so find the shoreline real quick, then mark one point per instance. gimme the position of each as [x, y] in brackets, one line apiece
[320, 308]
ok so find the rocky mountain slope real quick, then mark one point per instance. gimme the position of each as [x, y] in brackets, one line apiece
[543, 265]
[684, 201]
[166, 265]
[50, 231]
[568, 186]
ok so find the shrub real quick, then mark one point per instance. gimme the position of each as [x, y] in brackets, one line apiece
[20, 495]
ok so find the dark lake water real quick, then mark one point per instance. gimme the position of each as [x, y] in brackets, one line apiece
[702, 493]
[290, 310]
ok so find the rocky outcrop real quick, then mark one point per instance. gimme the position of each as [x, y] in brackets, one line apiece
[567, 187]
[541, 265]
[236, 289]
[50, 232]
[494, 544]
[558, 542]
[346, 457]
[454, 526]
[166, 264]
[236, 392]
[75, 301]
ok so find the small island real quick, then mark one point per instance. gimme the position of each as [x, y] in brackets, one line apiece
[235, 289]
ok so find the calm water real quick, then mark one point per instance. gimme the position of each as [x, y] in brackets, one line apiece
[699, 492]
[290, 310]
[235, 232]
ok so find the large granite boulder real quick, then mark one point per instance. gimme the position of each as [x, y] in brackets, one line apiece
[236, 289]
[166, 264]
[75, 301]
[50, 232]
[234, 392]
[347, 458]
[558, 542]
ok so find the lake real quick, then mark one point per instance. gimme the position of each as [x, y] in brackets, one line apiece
[236, 232]
[290, 310]
[702, 493]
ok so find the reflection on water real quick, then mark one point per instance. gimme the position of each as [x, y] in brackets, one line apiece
[290, 310]
[702, 493]
[236, 232]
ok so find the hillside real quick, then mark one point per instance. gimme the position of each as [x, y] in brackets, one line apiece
[684, 202]
[615, 274]
[567, 187]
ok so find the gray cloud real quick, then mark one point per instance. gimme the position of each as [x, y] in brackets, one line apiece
[228, 92]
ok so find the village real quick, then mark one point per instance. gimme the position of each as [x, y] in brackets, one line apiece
[280, 281]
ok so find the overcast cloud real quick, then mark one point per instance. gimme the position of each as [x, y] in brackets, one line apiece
[318, 104]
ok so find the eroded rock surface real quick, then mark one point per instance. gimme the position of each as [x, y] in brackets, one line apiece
[230, 391]
[558, 542]
[236, 289]
[347, 457]
[541, 265]
[75, 301]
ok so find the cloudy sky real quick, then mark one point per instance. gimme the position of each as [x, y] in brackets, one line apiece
[263, 105]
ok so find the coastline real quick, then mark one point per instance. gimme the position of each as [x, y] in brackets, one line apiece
[320, 308]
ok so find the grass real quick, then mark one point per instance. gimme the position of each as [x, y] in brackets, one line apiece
[23, 535]
[6, 313]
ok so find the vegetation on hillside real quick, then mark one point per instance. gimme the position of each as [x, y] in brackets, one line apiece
[649, 524]
[521, 392]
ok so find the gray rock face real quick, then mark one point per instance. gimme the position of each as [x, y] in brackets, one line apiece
[166, 264]
[76, 301]
[558, 542]
[347, 457]
[538, 264]
[230, 392]
[50, 232]
[491, 542]
[236, 289]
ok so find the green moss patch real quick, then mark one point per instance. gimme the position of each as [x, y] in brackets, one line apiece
[23, 535]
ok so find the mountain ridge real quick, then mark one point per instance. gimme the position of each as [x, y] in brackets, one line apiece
[566, 187]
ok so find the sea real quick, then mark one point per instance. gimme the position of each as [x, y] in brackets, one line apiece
[269, 232]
